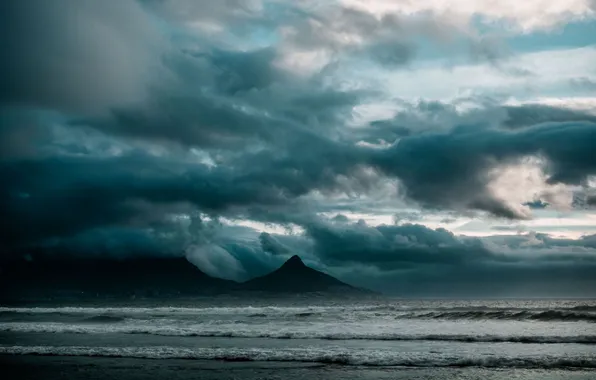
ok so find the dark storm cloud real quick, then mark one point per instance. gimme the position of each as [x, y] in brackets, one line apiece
[20, 132]
[583, 199]
[60, 196]
[108, 242]
[271, 245]
[153, 90]
[386, 130]
[228, 99]
[48, 197]
[528, 115]
[480, 280]
[340, 218]
[453, 169]
[243, 71]
[210, 98]
[195, 121]
[218, 97]
[149, 86]
[220, 250]
[416, 260]
[80, 56]
[392, 247]
[429, 116]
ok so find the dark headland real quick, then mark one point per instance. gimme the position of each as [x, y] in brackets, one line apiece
[295, 277]
[152, 277]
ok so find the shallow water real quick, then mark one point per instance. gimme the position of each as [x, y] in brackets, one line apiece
[434, 335]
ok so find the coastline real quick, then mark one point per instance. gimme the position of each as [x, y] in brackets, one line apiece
[27, 367]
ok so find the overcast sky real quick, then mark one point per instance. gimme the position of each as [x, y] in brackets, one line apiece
[417, 147]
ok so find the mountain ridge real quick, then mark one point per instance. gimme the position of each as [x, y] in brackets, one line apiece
[296, 277]
[151, 277]
[108, 277]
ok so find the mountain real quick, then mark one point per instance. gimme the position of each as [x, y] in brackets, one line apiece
[112, 278]
[156, 277]
[295, 277]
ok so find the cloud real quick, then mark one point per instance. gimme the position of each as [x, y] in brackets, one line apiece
[537, 204]
[271, 245]
[20, 132]
[533, 114]
[584, 83]
[52, 56]
[450, 170]
[391, 247]
[169, 126]
[244, 98]
[527, 16]
[421, 116]
[83, 192]
[214, 13]
[525, 75]
[453, 169]
[215, 261]
[415, 260]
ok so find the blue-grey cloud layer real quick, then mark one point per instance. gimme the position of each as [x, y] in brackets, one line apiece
[116, 119]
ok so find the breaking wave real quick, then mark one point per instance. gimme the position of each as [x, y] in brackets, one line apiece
[307, 355]
[103, 319]
[525, 315]
[172, 310]
[278, 333]
[590, 339]
[581, 313]
[584, 308]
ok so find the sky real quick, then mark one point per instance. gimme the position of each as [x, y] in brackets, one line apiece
[420, 148]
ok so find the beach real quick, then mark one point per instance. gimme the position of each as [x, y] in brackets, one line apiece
[397, 339]
[55, 368]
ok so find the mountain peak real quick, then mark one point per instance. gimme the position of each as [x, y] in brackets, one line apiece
[294, 262]
[295, 277]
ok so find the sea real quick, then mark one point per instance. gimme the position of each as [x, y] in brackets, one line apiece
[301, 337]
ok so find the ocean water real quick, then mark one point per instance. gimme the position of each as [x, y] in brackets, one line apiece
[532, 338]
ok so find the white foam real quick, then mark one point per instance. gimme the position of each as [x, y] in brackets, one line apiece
[346, 312]
[306, 331]
[246, 310]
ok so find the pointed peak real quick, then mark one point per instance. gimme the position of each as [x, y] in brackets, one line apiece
[294, 262]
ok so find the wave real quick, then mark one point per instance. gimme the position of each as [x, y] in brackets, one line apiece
[305, 314]
[584, 307]
[591, 339]
[526, 315]
[580, 313]
[207, 331]
[244, 310]
[308, 355]
[103, 319]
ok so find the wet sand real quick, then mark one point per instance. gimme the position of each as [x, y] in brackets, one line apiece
[57, 367]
